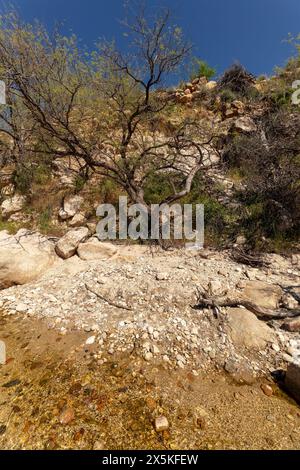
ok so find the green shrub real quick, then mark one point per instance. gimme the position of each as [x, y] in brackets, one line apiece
[200, 68]
[25, 176]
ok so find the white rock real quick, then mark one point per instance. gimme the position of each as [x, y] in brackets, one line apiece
[24, 257]
[161, 424]
[67, 245]
[78, 220]
[93, 249]
[71, 206]
[245, 124]
[90, 340]
[211, 85]
[12, 205]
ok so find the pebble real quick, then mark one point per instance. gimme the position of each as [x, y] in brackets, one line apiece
[67, 416]
[161, 424]
[155, 349]
[90, 340]
[148, 356]
[162, 276]
[267, 389]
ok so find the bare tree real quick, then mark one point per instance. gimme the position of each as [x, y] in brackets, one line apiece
[103, 111]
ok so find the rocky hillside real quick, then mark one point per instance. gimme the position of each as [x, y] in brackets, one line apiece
[249, 183]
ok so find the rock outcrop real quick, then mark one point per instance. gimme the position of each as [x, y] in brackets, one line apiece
[93, 249]
[68, 244]
[12, 205]
[247, 331]
[263, 294]
[24, 257]
[70, 207]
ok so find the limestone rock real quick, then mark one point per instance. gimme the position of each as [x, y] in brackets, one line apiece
[161, 424]
[247, 331]
[12, 205]
[67, 245]
[263, 294]
[71, 206]
[245, 124]
[93, 249]
[211, 85]
[78, 220]
[24, 257]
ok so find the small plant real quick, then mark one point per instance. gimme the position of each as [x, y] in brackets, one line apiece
[200, 68]
[227, 95]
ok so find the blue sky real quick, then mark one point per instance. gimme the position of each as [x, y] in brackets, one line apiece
[222, 31]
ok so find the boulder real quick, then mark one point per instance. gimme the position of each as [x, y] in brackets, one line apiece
[263, 294]
[239, 105]
[211, 85]
[292, 380]
[12, 205]
[24, 257]
[70, 207]
[68, 244]
[78, 220]
[247, 331]
[93, 249]
[245, 124]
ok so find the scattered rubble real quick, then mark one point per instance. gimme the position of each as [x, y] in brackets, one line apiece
[137, 301]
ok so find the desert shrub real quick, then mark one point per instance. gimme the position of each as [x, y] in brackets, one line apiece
[280, 98]
[227, 96]
[200, 68]
[269, 164]
[157, 188]
[11, 227]
[109, 192]
[79, 183]
[24, 176]
[237, 79]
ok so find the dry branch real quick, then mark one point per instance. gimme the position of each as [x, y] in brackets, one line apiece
[110, 302]
[260, 312]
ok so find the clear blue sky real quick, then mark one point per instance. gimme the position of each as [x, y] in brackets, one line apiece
[223, 31]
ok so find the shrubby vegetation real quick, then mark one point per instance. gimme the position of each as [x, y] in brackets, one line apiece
[200, 68]
[106, 117]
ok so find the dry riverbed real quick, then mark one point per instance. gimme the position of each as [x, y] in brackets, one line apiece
[54, 394]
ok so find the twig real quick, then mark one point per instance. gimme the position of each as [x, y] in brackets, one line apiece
[262, 313]
[100, 296]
